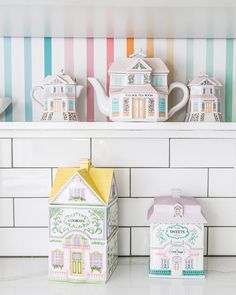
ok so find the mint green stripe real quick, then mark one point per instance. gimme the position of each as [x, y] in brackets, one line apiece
[189, 59]
[47, 56]
[229, 80]
[8, 76]
[28, 78]
[209, 56]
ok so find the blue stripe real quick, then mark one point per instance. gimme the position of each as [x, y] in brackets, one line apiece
[229, 80]
[8, 76]
[28, 78]
[209, 56]
[47, 56]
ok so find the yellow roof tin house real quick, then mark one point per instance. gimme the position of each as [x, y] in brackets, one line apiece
[99, 180]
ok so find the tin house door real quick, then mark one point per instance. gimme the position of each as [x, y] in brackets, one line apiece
[139, 108]
[76, 263]
[176, 266]
[209, 107]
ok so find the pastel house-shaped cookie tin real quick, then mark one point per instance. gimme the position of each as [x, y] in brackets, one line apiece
[176, 237]
[83, 224]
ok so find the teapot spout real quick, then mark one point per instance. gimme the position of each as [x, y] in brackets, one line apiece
[4, 104]
[102, 98]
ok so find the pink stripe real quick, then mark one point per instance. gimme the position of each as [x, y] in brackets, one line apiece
[90, 73]
[69, 56]
[110, 59]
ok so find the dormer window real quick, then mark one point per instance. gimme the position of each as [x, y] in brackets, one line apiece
[139, 79]
[76, 193]
[178, 210]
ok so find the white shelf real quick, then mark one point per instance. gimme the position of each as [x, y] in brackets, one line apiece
[123, 18]
[111, 129]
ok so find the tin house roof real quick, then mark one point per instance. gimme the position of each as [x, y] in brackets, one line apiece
[175, 209]
[98, 180]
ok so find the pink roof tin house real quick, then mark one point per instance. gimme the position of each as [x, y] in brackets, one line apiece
[175, 209]
[176, 237]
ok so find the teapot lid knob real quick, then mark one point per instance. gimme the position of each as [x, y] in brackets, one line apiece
[176, 193]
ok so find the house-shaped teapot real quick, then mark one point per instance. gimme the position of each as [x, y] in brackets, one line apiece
[138, 90]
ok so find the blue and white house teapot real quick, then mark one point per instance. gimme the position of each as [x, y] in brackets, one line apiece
[138, 90]
[58, 96]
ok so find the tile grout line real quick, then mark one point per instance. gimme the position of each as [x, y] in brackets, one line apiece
[12, 153]
[207, 250]
[130, 182]
[14, 219]
[130, 244]
[208, 181]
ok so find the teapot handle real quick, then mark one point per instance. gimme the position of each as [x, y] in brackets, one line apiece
[183, 101]
[38, 98]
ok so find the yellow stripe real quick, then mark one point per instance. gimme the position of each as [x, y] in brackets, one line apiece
[170, 59]
[150, 47]
[130, 46]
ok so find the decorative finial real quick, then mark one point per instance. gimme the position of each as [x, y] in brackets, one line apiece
[176, 193]
[138, 53]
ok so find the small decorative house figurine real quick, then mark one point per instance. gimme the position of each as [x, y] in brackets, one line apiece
[83, 224]
[138, 90]
[58, 96]
[205, 101]
[176, 237]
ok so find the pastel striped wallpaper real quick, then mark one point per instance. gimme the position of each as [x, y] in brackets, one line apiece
[25, 61]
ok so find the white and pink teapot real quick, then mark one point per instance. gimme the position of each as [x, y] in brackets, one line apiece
[58, 96]
[138, 90]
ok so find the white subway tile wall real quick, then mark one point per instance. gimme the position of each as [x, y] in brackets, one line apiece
[222, 182]
[6, 212]
[223, 241]
[202, 153]
[36, 216]
[24, 241]
[193, 182]
[139, 234]
[5, 151]
[124, 241]
[121, 152]
[27, 183]
[144, 168]
[41, 152]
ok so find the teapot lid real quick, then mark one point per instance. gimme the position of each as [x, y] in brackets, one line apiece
[60, 78]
